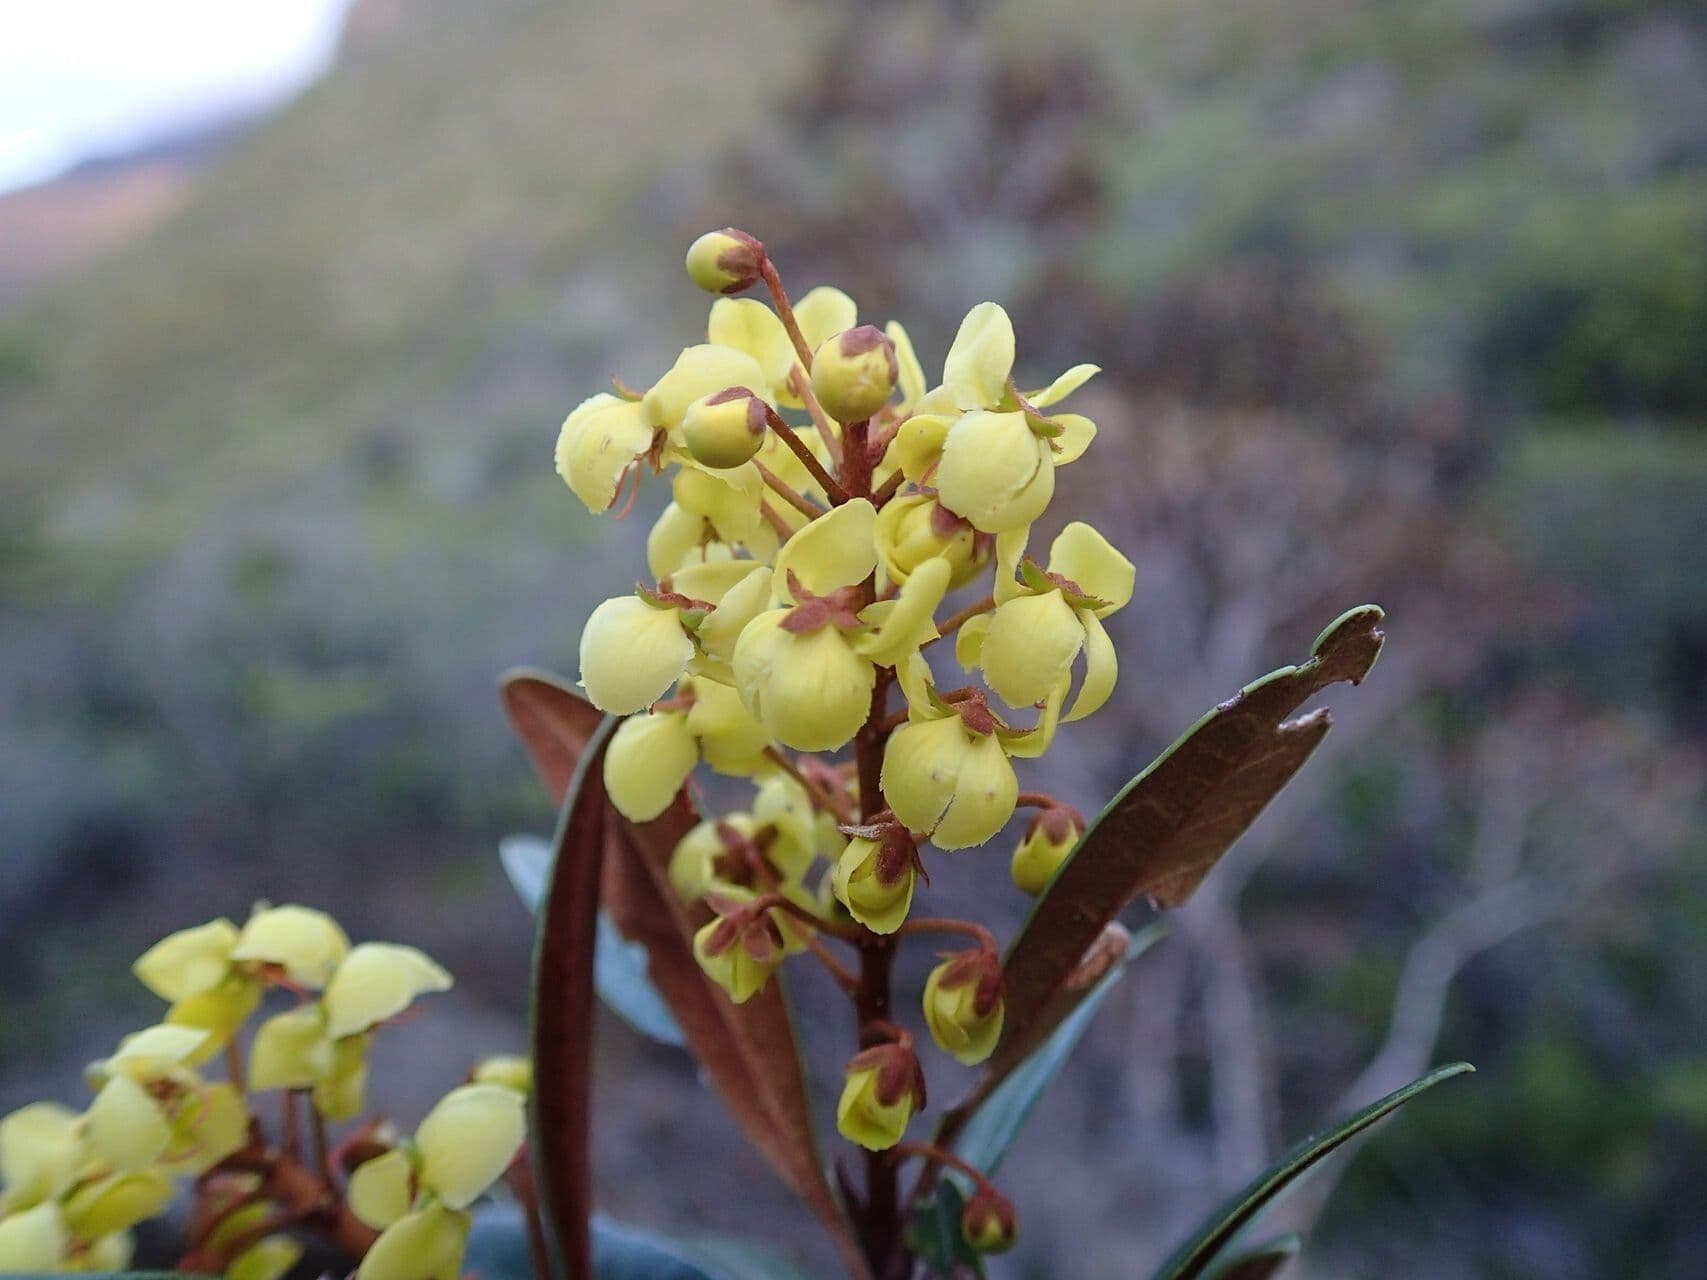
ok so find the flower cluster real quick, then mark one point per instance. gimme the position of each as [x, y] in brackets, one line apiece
[74, 1184]
[826, 503]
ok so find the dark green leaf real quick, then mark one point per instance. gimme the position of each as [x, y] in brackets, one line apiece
[935, 1237]
[1261, 1263]
[619, 968]
[1160, 836]
[1194, 1257]
[992, 1127]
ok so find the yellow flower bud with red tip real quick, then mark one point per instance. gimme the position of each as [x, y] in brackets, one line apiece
[740, 948]
[915, 529]
[882, 1089]
[874, 878]
[964, 1007]
[988, 1222]
[726, 261]
[1051, 837]
[854, 373]
[726, 428]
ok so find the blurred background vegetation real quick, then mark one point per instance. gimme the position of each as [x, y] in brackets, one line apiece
[1395, 300]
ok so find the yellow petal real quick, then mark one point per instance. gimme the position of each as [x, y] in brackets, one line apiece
[920, 764]
[425, 1245]
[980, 359]
[879, 907]
[738, 605]
[209, 1122]
[955, 1023]
[1102, 667]
[1029, 645]
[33, 1240]
[912, 373]
[782, 804]
[1084, 556]
[41, 1151]
[909, 620]
[750, 326]
[914, 677]
[376, 981]
[822, 312]
[985, 792]
[270, 1258]
[1064, 385]
[908, 535]
[969, 641]
[838, 549]
[221, 1012]
[1010, 550]
[680, 537]
[812, 692]
[730, 739]
[511, 1070]
[735, 970]
[468, 1140]
[1035, 741]
[188, 962]
[291, 1050]
[692, 861]
[116, 1203]
[307, 944]
[918, 444]
[727, 498]
[109, 1254]
[382, 1189]
[600, 440]
[995, 471]
[1077, 432]
[148, 1054]
[699, 371]
[126, 1129]
[631, 653]
[649, 758]
[341, 1094]
[862, 1118]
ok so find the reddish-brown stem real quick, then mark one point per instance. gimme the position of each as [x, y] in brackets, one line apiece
[820, 797]
[856, 459]
[303, 1197]
[779, 297]
[802, 387]
[958, 620]
[941, 924]
[1037, 800]
[845, 977]
[289, 1136]
[527, 1195]
[889, 488]
[851, 934]
[787, 492]
[234, 1064]
[774, 519]
[937, 1155]
[322, 1148]
[890, 723]
[800, 449]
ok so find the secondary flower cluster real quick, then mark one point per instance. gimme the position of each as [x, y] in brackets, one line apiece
[74, 1184]
[826, 501]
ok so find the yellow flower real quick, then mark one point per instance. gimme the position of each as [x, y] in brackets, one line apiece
[632, 651]
[963, 1006]
[306, 944]
[42, 1148]
[995, 470]
[383, 1189]
[945, 776]
[854, 373]
[784, 817]
[149, 1054]
[975, 375]
[915, 528]
[209, 1122]
[725, 261]
[126, 1128]
[600, 440]
[693, 862]
[882, 1088]
[115, 1203]
[341, 1093]
[1027, 646]
[189, 962]
[269, 1258]
[467, 1141]
[33, 1240]
[425, 1245]
[738, 949]
[750, 326]
[376, 981]
[1051, 837]
[874, 879]
[649, 758]
[810, 690]
[725, 429]
[219, 1011]
[513, 1071]
[291, 1051]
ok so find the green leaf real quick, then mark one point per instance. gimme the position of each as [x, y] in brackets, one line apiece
[1261, 1263]
[619, 966]
[934, 1234]
[1193, 1258]
[1161, 835]
[997, 1121]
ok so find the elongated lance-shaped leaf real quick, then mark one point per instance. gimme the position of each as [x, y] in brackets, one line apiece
[1194, 1258]
[619, 966]
[562, 1033]
[749, 1051]
[1263, 1262]
[1164, 831]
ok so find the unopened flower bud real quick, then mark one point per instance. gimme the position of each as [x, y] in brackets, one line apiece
[725, 429]
[883, 1088]
[874, 879]
[1047, 842]
[726, 261]
[964, 1006]
[988, 1221]
[917, 528]
[739, 950]
[854, 373]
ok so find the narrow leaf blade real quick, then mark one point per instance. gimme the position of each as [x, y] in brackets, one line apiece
[1193, 1258]
[1165, 830]
[1261, 1263]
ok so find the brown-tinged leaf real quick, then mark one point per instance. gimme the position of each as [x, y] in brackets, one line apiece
[1169, 826]
[748, 1051]
[563, 1009]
